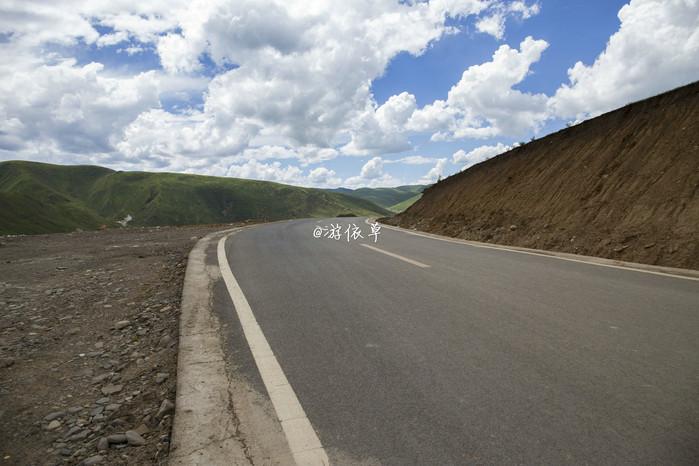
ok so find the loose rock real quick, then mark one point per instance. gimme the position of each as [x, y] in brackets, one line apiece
[134, 438]
[72, 431]
[122, 324]
[97, 459]
[116, 439]
[55, 415]
[111, 389]
[101, 377]
[164, 341]
[166, 407]
[103, 444]
[142, 429]
[82, 435]
[6, 362]
[53, 425]
[97, 410]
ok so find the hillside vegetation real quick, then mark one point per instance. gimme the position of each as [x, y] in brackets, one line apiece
[403, 205]
[624, 185]
[46, 198]
[394, 199]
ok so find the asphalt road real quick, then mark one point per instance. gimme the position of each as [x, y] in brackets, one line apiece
[481, 356]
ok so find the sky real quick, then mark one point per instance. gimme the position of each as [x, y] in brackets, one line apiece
[323, 93]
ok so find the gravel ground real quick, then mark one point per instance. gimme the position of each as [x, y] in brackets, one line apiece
[88, 344]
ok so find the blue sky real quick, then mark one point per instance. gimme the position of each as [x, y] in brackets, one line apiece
[325, 93]
[577, 30]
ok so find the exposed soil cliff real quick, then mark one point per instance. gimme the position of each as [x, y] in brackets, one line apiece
[623, 185]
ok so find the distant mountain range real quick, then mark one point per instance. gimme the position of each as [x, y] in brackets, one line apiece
[394, 199]
[45, 198]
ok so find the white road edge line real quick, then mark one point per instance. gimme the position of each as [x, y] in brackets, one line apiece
[302, 439]
[532, 253]
[405, 259]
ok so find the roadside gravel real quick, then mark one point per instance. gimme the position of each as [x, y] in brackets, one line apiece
[88, 344]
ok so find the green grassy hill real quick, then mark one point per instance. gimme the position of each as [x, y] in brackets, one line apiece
[394, 199]
[45, 198]
[401, 206]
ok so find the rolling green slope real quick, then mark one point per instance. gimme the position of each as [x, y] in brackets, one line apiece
[388, 198]
[401, 206]
[44, 198]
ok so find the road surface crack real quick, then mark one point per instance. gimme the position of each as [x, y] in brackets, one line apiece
[238, 435]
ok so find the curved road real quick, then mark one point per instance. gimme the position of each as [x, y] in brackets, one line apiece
[446, 353]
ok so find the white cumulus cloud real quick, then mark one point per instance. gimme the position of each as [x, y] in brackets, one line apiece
[372, 175]
[324, 177]
[478, 155]
[435, 173]
[494, 23]
[292, 74]
[372, 169]
[246, 84]
[415, 160]
[68, 108]
[655, 49]
[484, 104]
[252, 169]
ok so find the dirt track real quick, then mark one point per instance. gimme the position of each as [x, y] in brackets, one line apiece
[624, 186]
[88, 344]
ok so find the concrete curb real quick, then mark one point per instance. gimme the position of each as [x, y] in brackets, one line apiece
[204, 430]
[654, 269]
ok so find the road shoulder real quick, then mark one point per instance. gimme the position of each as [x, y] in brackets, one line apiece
[599, 261]
[220, 418]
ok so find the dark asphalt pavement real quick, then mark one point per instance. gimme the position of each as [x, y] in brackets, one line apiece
[485, 357]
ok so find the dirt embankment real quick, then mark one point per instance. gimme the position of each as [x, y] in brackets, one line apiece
[624, 185]
[88, 345]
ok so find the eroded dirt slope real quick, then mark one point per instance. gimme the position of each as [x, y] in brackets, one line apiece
[623, 185]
